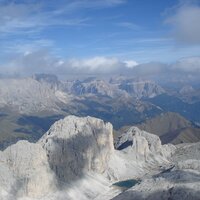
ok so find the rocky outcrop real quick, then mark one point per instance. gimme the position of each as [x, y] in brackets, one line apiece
[76, 159]
[180, 181]
[81, 144]
[176, 185]
[72, 151]
[27, 165]
[141, 143]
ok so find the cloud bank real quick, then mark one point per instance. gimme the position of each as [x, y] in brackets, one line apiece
[44, 62]
[185, 23]
[188, 65]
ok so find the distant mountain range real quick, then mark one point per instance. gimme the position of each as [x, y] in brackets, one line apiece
[29, 105]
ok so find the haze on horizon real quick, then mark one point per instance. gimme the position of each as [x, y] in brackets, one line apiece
[99, 37]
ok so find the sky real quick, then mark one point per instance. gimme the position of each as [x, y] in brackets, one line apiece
[98, 35]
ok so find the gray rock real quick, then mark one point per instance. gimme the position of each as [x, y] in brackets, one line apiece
[76, 146]
[76, 159]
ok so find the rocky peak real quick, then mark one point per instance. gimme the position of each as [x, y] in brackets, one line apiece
[94, 86]
[141, 143]
[187, 89]
[27, 95]
[50, 79]
[82, 144]
[141, 89]
[76, 158]
[26, 165]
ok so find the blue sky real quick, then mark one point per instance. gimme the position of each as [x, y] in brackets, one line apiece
[82, 31]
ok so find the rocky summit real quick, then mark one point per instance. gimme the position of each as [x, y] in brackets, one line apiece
[77, 159]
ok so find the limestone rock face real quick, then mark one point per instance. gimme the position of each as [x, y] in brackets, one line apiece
[76, 159]
[75, 146]
[72, 150]
[141, 89]
[176, 185]
[27, 95]
[95, 87]
[179, 182]
[139, 142]
[27, 165]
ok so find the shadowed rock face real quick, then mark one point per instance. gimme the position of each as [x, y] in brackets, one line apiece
[70, 150]
[76, 146]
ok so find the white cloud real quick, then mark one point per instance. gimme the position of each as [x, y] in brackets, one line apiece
[34, 16]
[15, 19]
[129, 25]
[25, 45]
[29, 63]
[99, 64]
[43, 62]
[189, 65]
[185, 23]
[130, 63]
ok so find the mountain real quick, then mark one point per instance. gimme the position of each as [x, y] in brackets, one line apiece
[191, 111]
[189, 94]
[45, 92]
[141, 89]
[76, 159]
[50, 79]
[28, 106]
[96, 87]
[116, 86]
[15, 127]
[27, 109]
[180, 182]
[27, 95]
[172, 128]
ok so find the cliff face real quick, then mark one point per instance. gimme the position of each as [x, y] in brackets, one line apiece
[28, 169]
[141, 142]
[76, 146]
[76, 159]
[69, 151]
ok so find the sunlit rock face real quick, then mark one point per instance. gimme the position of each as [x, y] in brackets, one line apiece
[174, 184]
[141, 143]
[179, 182]
[27, 164]
[27, 95]
[141, 89]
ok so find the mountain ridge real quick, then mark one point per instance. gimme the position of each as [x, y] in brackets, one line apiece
[85, 146]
